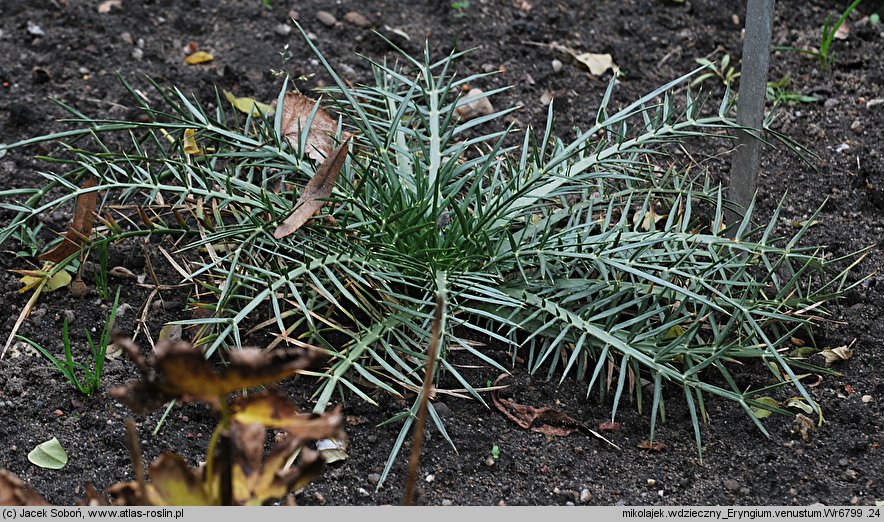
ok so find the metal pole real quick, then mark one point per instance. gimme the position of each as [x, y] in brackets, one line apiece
[750, 105]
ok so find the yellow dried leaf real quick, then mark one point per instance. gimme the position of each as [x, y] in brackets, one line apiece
[32, 279]
[842, 353]
[248, 105]
[190, 146]
[198, 57]
[597, 63]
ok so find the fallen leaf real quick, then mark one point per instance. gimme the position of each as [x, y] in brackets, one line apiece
[315, 192]
[107, 5]
[761, 413]
[296, 111]
[14, 492]
[544, 420]
[81, 226]
[332, 450]
[804, 352]
[797, 342]
[597, 63]
[650, 446]
[31, 279]
[121, 272]
[843, 32]
[49, 455]
[798, 402]
[248, 105]
[198, 57]
[190, 146]
[842, 353]
[609, 426]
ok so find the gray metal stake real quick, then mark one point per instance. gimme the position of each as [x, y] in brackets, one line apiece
[750, 105]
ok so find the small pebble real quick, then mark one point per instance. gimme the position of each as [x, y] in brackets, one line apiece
[354, 18]
[569, 503]
[731, 485]
[430, 478]
[326, 18]
[557, 65]
[856, 126]
[282, 29]
[137, 53]
[374, 478]
[489, 461]
[127, 37]
[69, 315]
[446, 502]
[855, 501]
[867, 398]
[585, 496]
[362, 492]
[476, 108]
[35, 29]
[851, 475]
[58, 413]
[830, 103]
[843, 462]
[318, 497]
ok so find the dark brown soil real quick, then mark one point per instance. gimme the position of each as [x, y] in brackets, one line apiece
[75, 61]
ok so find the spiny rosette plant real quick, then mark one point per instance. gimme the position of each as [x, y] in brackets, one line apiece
[605, 250]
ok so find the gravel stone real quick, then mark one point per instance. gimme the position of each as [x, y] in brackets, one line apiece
[326, 18]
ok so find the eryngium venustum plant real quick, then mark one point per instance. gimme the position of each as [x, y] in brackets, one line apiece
[601, 251]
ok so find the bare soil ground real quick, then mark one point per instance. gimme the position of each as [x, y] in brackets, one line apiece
[67, 50]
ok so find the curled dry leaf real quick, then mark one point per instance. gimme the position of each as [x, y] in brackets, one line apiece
[296, 111]
[121, 272]
[317, 190]
[190, 146]
[248, 105]
[180, 371]
[544, 420]
[14, 492]
[81, 227]
[842, 353]
[650, 446]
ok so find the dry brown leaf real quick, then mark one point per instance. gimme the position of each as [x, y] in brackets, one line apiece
[650, 446]
[542, 420]
[597, 63]
[318, 188]
[14, 492]
[107, 5]
[841, 353]
[296, 110]
[79, 231]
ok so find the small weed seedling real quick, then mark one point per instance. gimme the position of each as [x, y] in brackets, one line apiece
[778, 93]
[27, 238]
[459, 8]
[725, 72]
[495, 452]
[826, 56]
[91, 380]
